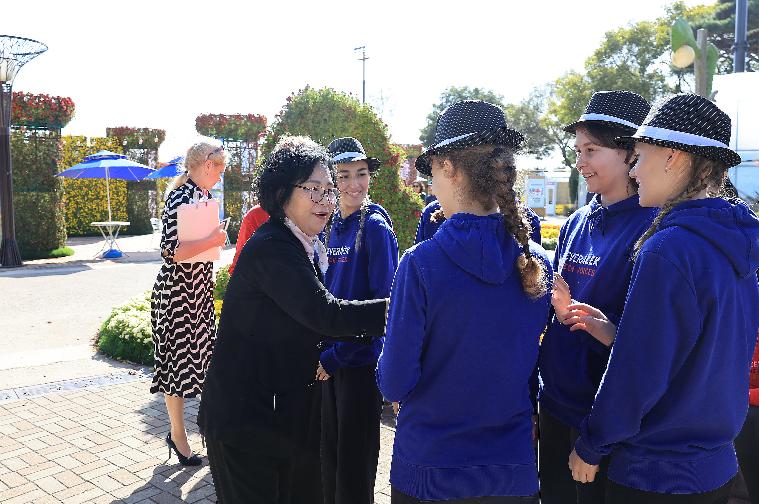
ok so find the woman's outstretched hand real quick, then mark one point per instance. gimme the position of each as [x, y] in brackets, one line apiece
[321, 374]
[584, 317]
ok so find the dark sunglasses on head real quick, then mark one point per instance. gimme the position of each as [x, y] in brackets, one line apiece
[215, 151]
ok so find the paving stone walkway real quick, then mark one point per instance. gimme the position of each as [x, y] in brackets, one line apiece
[95, 442]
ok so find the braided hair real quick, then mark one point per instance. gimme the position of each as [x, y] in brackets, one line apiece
[491, 172]
[364, 208]
[705, 173]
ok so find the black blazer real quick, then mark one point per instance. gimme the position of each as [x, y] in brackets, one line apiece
[276, 311]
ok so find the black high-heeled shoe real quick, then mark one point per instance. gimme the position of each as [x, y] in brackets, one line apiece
[192, 460]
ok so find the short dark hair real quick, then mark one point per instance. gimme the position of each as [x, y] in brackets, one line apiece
[291, 162]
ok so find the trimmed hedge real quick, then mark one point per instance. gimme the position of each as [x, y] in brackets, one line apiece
[37, 193]
[85, 200]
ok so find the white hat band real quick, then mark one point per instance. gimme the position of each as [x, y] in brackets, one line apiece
[604, 117]
[451, 140]
[677, 136]
[346, 155]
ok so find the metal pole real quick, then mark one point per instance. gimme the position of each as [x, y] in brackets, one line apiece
[363, 59]
[10, 257]
[699, 66]
[108, 192]
[741, 40]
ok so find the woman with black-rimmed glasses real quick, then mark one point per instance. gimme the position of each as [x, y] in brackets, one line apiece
[260, 409]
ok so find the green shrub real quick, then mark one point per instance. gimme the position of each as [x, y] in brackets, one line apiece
[550, 243]
[127, 334]
[220, 285]
[62, 252]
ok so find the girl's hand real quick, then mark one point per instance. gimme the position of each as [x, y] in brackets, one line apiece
[321, 374]
[396, 408]
[584, 317]
[561, 298]
[582, 472]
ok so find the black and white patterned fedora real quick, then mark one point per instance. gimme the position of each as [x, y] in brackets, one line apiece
[347, 149]
[690, 123]
[618, 109]
[466, 124]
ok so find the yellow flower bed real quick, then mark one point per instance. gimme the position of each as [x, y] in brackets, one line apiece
[548, 231]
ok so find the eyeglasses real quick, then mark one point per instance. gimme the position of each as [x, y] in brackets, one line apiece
[215, 151]
[318, 194]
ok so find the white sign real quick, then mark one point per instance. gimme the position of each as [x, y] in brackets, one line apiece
[536, 193]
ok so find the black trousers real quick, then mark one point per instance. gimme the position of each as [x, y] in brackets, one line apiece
[242, 474]
[555, 444]
[351, 410]
[747, 449]
[398, 497]
[618, 494]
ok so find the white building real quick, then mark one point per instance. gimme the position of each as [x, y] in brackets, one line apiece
[738, 95]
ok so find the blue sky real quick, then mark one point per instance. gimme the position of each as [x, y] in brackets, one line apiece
[161, 63]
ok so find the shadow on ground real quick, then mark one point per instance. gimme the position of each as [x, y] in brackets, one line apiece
[171, 479]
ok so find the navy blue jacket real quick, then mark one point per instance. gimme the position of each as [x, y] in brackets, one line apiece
[461, 344]
[673, 398]
[427, 227]
[366, 274]
[593, 255]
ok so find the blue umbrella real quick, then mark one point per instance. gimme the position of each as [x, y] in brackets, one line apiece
[174, 168]
[107, 165]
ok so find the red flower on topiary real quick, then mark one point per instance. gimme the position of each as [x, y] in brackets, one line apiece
[236, 127]
[41, 110]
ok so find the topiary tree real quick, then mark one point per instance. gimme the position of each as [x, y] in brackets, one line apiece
[326, 114]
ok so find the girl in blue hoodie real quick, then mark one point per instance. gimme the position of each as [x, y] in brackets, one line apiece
[673, 397]
[363, 255]
[467, 309]
[593, 265]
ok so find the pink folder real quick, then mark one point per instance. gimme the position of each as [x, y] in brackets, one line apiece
[196, 221]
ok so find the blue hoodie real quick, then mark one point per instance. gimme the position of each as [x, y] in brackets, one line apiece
[366, 274]
[426, 227]
[594, 257]
[673, 398]
[461, 344]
